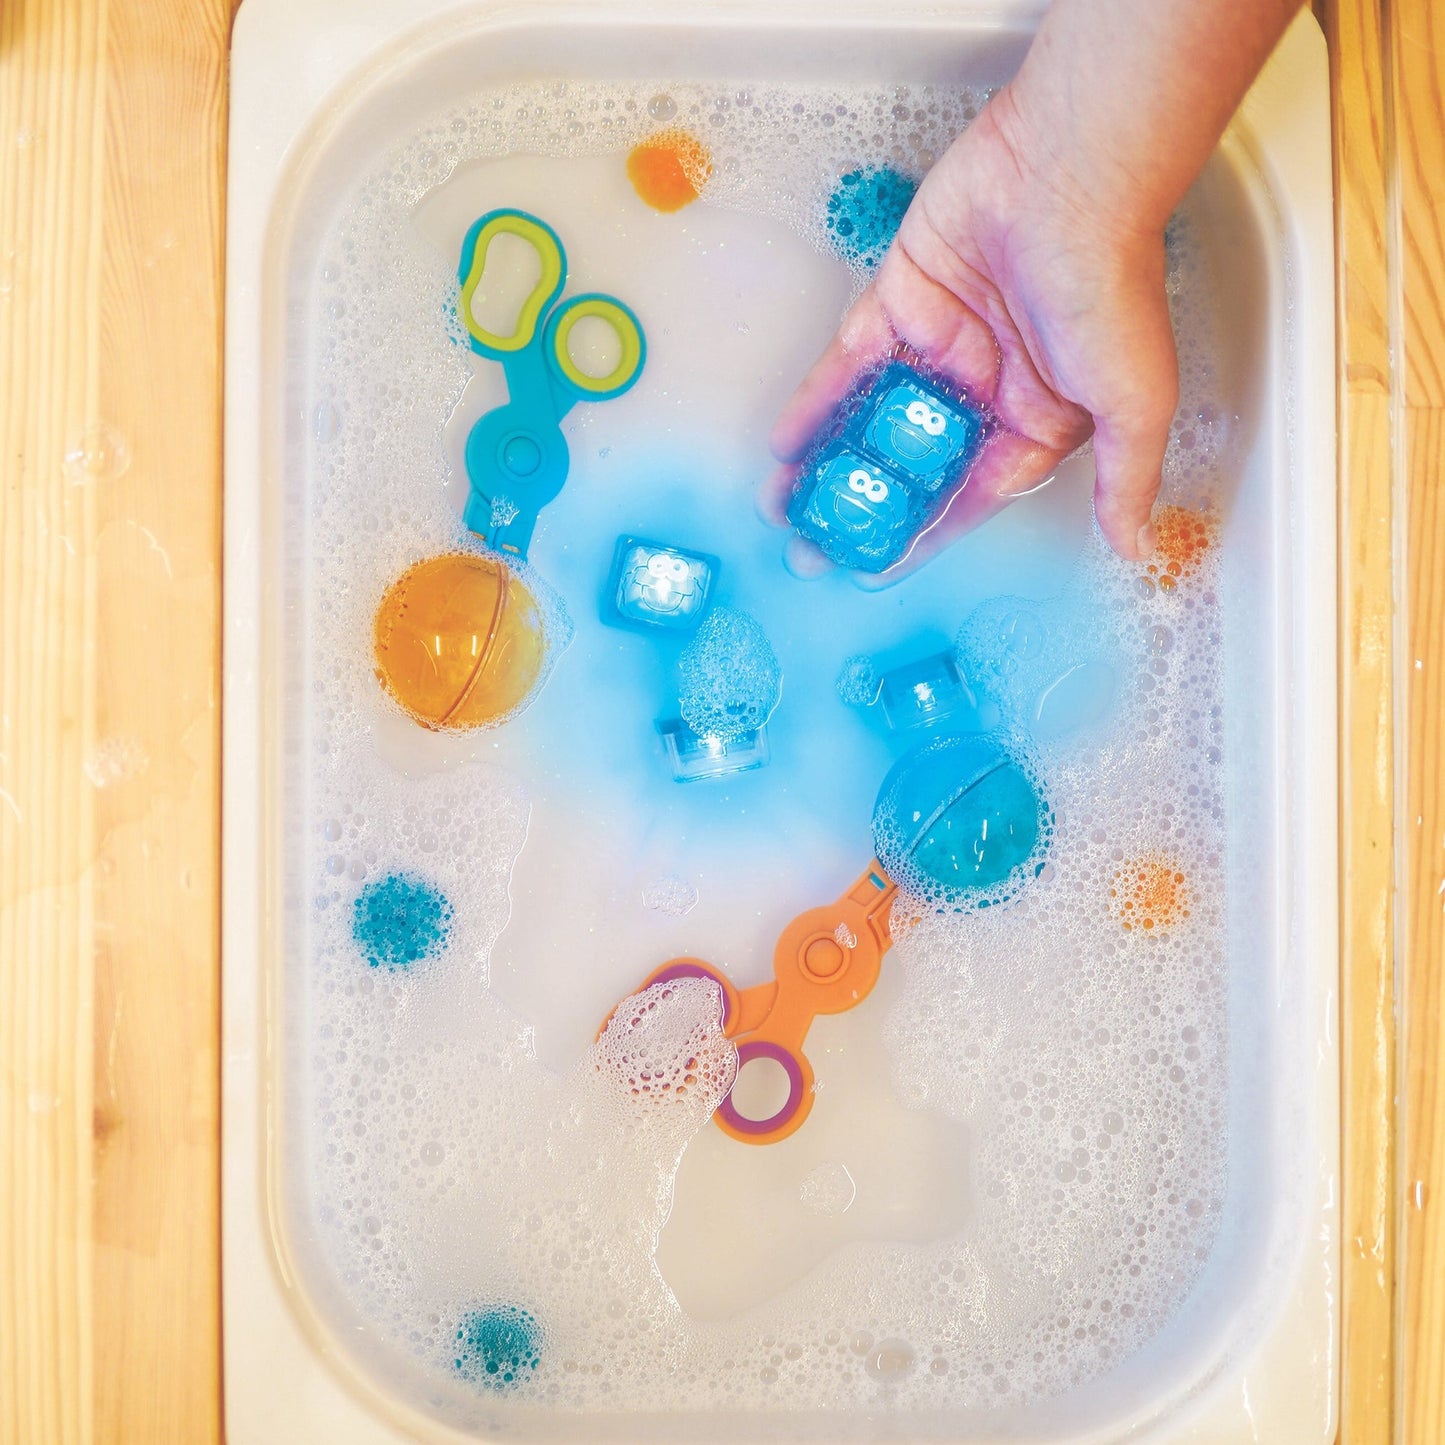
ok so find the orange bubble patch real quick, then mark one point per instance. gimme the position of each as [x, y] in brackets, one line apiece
[669, 170]
[1185, 538]
[1150, 894]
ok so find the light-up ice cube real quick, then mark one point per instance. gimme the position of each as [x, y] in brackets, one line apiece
[924, 692]
[693, 755]
[656, 585]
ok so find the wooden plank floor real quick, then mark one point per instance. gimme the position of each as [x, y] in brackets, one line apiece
[112, 154]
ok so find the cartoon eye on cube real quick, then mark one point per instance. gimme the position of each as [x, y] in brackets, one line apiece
[692, 756]
[655, 585]
[917, 430]
[858, 513]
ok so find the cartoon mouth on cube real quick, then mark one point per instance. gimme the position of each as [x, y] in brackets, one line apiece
[662, 582]
[654, 584]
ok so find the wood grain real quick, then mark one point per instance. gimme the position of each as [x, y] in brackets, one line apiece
[51, 84]
[1419, 79]
[111, 184]
[1367, 744]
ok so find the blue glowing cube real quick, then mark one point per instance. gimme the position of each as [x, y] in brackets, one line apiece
[924, 692]
[855, 510]
[692, 755]
[917, 429]
[655, 585]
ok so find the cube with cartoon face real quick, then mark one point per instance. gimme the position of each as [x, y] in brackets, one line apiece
[854, 510]
[921, 433]
[655, 585]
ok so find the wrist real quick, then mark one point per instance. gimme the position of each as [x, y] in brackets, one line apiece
[1093, 182]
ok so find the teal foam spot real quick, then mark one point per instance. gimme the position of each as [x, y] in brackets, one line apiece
[960, 820]
[865, 211]
[400, 920]
[498, 1347]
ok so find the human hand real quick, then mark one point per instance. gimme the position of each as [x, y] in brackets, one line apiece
[1041, 294]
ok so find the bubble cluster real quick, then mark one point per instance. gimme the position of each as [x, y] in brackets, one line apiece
[731, 678]
[116, 759]
[666, 1042]
[481, 1211]
[828, 1189]
[400, 920]
[864, 212]
[1185, 536]
[673, 896]
[499, 1346]
[858, 682]
[1149, 894]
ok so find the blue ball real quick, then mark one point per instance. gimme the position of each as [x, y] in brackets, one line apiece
[960, 820]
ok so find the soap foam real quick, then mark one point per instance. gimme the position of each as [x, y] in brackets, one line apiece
[731, 680]
[453, 1174]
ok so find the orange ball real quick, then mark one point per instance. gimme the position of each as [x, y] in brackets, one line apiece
[459, 641]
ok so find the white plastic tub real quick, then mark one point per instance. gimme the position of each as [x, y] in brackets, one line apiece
[317, 89]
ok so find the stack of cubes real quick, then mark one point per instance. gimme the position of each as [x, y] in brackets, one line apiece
[886, 468]
[655, 587]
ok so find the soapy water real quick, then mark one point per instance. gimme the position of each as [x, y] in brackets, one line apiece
[471, 1200]
[731, 679]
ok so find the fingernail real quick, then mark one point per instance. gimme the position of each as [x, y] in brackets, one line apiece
[1147, 540]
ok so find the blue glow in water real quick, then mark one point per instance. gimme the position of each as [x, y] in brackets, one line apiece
[865, 211]
[692, 756]
[960, 821]
[925, 692]
[498, 1347]
[731, 678]
[400, 920]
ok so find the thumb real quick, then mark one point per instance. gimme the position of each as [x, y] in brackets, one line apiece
[1132, 435]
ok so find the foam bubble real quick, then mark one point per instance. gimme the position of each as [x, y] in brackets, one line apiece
[731, 679]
